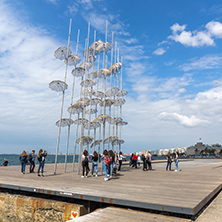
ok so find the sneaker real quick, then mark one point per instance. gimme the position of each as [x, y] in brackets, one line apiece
[82, 176]
[38, 175]
[106, 179]
[175, 170]
[85, 176]
[110, 176]
[23, 172]
[96, 175]
[91, 175]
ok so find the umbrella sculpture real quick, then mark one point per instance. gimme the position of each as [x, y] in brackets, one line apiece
[94, 93]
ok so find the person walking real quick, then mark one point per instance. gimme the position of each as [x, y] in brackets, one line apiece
[41, 158]
[32, 156]
[94, 163]
[149, 161]
[105, 161]
[169, 160]
[23, 160]
[176, 160]
[134, 161]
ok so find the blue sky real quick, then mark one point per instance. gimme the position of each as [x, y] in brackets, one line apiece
[172, 69]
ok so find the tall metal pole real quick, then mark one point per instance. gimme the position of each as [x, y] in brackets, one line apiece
[63, 96]
[72, 95]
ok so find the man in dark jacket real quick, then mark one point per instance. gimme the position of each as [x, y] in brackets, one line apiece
[32, 161]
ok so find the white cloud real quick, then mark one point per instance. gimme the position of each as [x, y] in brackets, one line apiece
[182, 119]
[159, 51]
[214, 28]
[205, 62]
[188, 38]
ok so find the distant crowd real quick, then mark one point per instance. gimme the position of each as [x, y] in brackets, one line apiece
[110, 161]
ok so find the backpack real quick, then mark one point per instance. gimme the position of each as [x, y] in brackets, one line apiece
[30, 157]
[107, 161]
[39, 159]
[85, 161]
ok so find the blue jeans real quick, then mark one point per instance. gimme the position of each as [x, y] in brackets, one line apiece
[176, 164]
[168, 165]
[111, 168]
[94, 165]
[105, 167]
[23, 163]
[41, 165]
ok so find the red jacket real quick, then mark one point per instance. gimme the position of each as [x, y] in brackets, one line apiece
[134, 157]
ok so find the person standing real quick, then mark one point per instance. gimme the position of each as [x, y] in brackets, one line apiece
[32, 156]
[149, 161]
[134, 161]
[23, 160]
[169, 160]
[120, 158]
[105, 162]
[143, 158]
[41, 158]
[139, 160]
[94, 162]
[176, 160]
[85, 163]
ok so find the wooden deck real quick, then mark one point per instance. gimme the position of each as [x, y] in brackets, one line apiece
[184, 192]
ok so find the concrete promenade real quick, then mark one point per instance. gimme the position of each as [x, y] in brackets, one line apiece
[183, 192]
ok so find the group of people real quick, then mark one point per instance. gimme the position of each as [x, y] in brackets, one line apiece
[26, 158]
[170, 159]
[146, 159]
[109, 161]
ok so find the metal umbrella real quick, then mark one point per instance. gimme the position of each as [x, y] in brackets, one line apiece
[58, 85]
[112, 92]
[122, 93]
[78, 72]
[65, 122]
[84, 140]
[72, 60]
[61, 52]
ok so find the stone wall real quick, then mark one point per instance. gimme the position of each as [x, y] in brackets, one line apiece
[18, 208]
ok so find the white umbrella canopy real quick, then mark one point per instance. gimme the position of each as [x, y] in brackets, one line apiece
[122, 93]
[122, 123]
[88, 83]
[72, 60]
[119, 102]
[84, 140]
[99, 94]
[75, 108]
[92, 125]
[87, 92]
[61, 53]
[91, 58]
[103, 72]
[118, 142]
[104, 47]
[92, 111]
[80, 121]
[78, 72]
[102, 118]
[83, 101]
[115, 67]
[65, 122]
[115, 120]
[96, 143]
[110, 139]
[107, 102]
[58, 85]
[96, 43]
[95, 101]
[112, 92]
[86, 65]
